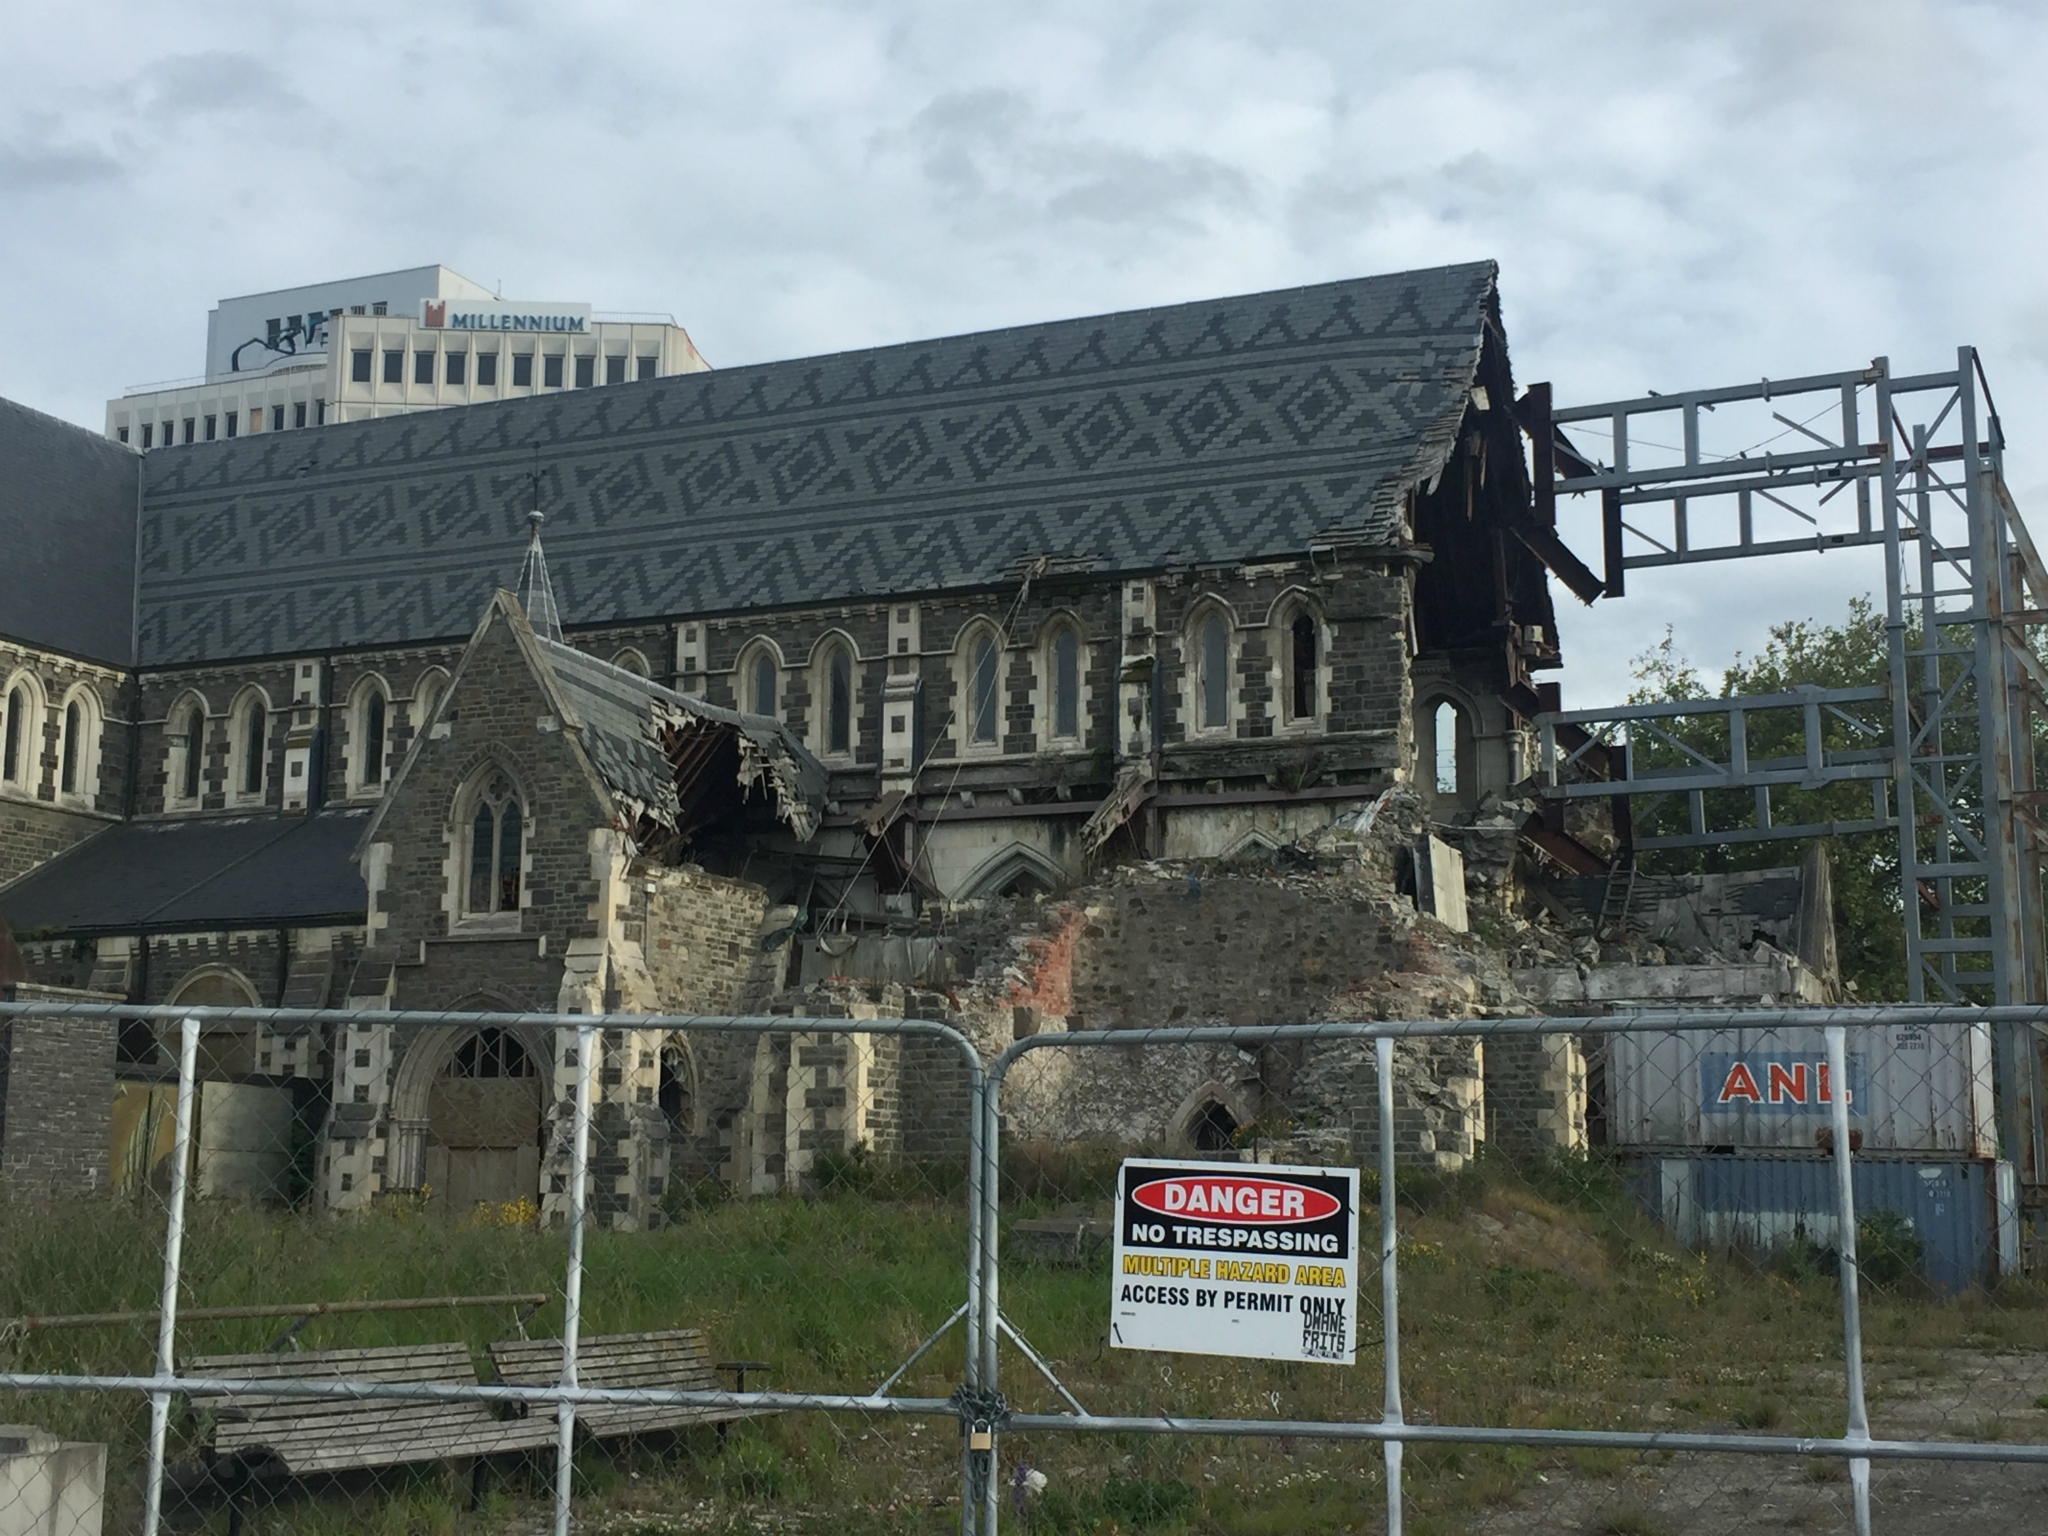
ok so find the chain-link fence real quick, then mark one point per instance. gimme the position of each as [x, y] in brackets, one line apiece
[366, 1298]
[1655, 1273]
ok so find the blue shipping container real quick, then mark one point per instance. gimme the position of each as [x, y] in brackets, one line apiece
[1964, 1210]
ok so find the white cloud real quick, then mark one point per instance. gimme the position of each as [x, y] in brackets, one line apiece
[1678, 194]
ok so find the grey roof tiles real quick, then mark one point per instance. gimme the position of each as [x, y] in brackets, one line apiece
[1218, 431]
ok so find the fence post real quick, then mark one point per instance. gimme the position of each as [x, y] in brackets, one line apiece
[1390, 1283]
[572, 1283]
[1845, 1244]
[978, 1465]
[174, 1245]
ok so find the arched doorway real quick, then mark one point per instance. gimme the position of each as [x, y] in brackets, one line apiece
[248, 1127]
[1214, 1128]
[483, 1123]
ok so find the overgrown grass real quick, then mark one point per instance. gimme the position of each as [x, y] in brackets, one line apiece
[1530, 1296]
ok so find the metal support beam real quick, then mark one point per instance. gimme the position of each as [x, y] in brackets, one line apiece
[1912, 465]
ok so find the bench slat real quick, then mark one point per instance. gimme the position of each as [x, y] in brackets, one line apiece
[341, 1434]
[673, 1359]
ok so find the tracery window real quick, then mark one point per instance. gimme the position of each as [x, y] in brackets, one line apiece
[496, 831]
[490, 1053]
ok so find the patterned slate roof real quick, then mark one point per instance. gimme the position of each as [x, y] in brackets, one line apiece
[1220, 431]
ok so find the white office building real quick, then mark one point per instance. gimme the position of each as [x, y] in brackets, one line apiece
[385, 345]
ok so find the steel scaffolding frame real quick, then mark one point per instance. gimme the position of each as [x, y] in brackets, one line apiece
[1951, 739]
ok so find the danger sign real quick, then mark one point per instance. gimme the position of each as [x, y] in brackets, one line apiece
[1256, 1260]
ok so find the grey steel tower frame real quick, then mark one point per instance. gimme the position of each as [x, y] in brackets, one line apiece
[1913, 465]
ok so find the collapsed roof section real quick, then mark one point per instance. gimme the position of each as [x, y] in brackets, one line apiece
[675, 765]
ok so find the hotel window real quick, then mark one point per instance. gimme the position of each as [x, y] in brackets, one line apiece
[378, 308]
[423, 367]
[188, 429]
[319, 413]
[394, 366]
[298, 413]
[234, 421]
[277, 417]
[522, 370]
[359, 366]
[458, 367]
[148, 432]
[209, 427]
[647, 367]
[487, 369]
[121, 433]
[586, 370]
[615, 370]
[551, 370]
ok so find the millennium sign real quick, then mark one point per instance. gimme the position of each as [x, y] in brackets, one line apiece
[457, 315]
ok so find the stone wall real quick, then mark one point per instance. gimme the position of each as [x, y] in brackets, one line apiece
[56, 1098]
[1535, 1093]
[1225, 949]
[701, 934]
[31, 833]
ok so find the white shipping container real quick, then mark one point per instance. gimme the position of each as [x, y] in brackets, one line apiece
[1912, 1088]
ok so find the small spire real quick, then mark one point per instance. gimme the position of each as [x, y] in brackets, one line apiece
[536, 594]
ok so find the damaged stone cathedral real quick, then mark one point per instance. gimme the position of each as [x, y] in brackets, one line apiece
[703, 693]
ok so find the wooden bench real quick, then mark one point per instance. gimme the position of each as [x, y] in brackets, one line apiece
[672, 1360]
[259, 1435]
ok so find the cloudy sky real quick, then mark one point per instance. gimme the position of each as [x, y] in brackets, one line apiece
[1679, 194]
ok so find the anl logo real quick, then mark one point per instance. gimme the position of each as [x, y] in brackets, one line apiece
[1781, 1081]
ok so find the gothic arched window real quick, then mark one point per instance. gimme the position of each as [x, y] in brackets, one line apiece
[13, 764]
[1065, 668]
[249, 738]
[74, 731]
[757, 680]
[839, 700]
[984, 654]
[192, 749]
[495, 836]
[1212, 671]
[78, 746]
[1302, 646]
[370, 737]
[1445, 730]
